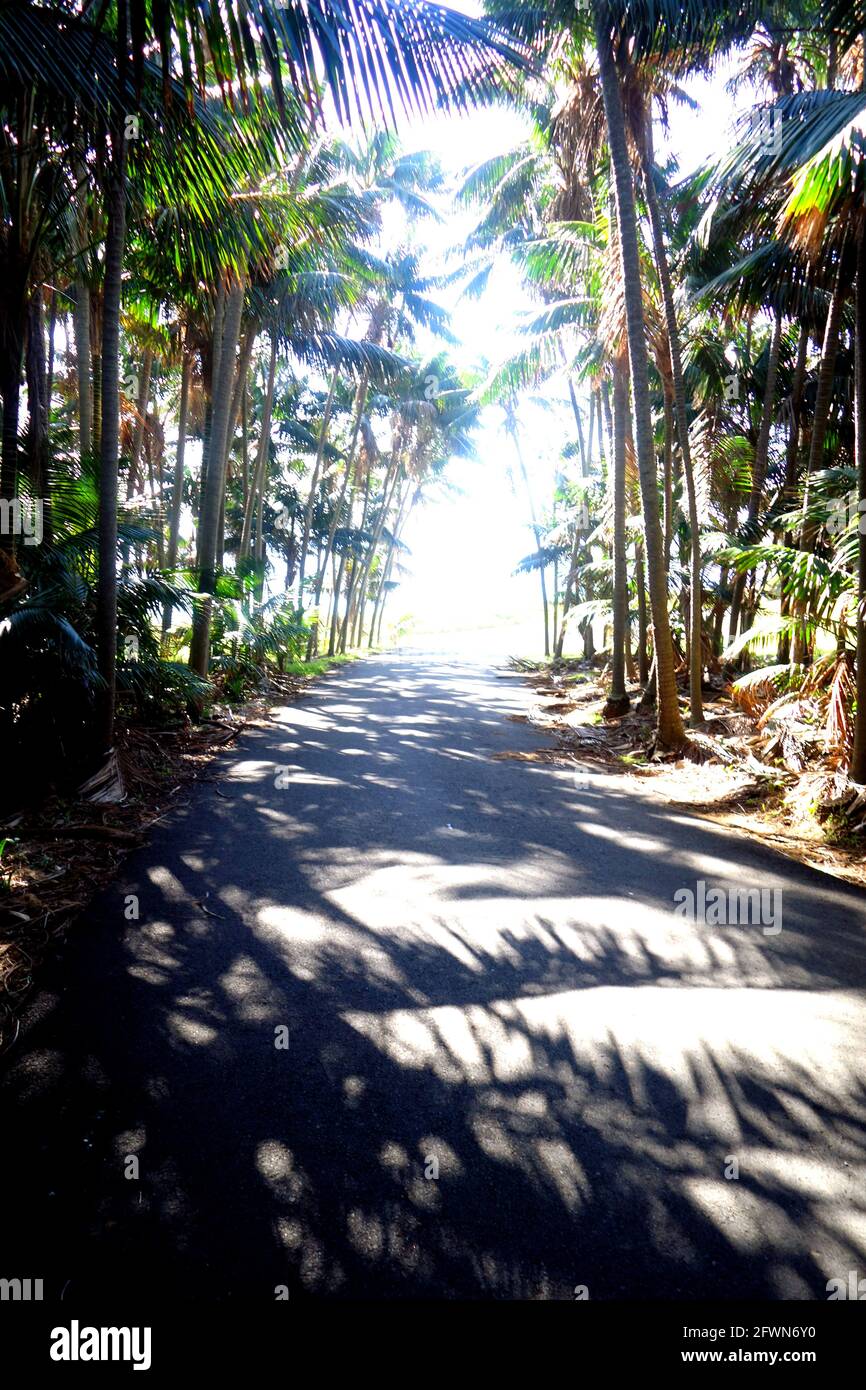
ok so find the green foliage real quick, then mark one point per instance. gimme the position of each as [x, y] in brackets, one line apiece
[244, 645]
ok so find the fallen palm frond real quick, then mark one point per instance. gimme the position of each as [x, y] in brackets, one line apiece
[754, 692]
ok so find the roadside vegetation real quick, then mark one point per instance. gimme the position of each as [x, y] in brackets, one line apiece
[706, 540]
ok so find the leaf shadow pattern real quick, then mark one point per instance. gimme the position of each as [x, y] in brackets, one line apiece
[482, 978]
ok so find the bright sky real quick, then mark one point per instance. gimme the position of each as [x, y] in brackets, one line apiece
[465, 547]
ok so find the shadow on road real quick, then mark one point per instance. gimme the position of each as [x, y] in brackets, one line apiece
[512, 1070]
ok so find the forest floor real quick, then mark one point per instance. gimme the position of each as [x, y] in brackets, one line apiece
[55, 856]
[722, 778]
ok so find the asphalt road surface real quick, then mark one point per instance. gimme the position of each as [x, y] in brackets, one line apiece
[399, 1017]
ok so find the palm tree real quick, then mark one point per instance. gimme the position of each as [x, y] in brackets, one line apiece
[50, 115]
[670, 731]
[618, 700]
[363, 63]
[804, 186]
[858, 754]
[680, 412]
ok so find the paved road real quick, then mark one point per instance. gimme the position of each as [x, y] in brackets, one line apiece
[483, 977]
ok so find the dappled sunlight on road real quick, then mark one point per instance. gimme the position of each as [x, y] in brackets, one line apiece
[511, 1066]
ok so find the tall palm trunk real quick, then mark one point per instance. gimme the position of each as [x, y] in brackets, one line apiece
[570, 598]
[37, 404]
[10, 394]
[381, 595]
[96, 376]
[602, 446]
[335, 614]
[140, 424]
[314, 485]
[49, 366]
[820, 421]
[387, 508]
[382, 592]
[245, 354]
[858, 757]
[668, 477]
[670, 731]
[644, 674]
[109, 432]
[791, 466]
[260, 552]
[696, 711]
[578, 420]
[762, 454]
[358, 566]
[390, 487]
[81, 332]
[618, 701]
[177, 483]
[336, 519]
[608, 413]
[336, 629]
[245, 450]
[210, 372]
[207, 559]
[260, 468]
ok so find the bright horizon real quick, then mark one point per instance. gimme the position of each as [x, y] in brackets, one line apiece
[465, 546]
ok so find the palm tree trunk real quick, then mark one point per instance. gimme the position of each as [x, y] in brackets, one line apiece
[791, 467]
[602, 446]
[820, 420]
[696, 711]
[390, 487]
[47, 526]
[314, 484]
[762, 454]
[570, 587]
[245, 353]
[177, 483]
[360, 402]
[49, 369]
[404, 510]
[381, 595]
[668, 479]
[207, 558]
[96, 375]
[858, 756]
[608, 416]
[643, 665]
[140, 424]
[37, 406]
[10, 393]
[670, 732]
[260, 468]
[81, 331]
[261, 548]
[335, 614]
[245, 448]
[618, 701]
[578, 420]
[357, 568]
[109, 429]
[210, 375]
